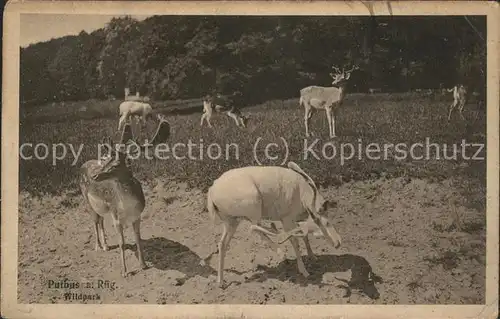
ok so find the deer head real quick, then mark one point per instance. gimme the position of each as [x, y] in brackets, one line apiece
[114, 162]
[116, 156]
[341, 75]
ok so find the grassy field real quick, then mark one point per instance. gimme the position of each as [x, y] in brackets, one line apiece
[419, 223]
[381, 119]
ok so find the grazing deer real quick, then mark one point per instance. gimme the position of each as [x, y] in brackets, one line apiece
[217, 104]
[327, 98]
[129, 109]
[109, 188]
[459, 99]
[274, 193]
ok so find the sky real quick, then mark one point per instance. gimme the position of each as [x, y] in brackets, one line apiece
[42, 27]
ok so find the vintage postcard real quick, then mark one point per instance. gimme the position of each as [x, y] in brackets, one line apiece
[250, 159]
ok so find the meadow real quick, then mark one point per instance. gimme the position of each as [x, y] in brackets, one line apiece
[419, 222]
[380, 119]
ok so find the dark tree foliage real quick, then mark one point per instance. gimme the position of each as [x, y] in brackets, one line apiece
[254, 58]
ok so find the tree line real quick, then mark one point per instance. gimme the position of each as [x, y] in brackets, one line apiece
[259, 57]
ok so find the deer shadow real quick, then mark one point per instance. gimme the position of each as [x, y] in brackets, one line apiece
[166, 254]
[362, 279]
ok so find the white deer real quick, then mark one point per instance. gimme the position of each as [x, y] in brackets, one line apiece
[327, 98]
[274, 193]
[211, 104]
[130, 110]
[459, 98]
[109, 188]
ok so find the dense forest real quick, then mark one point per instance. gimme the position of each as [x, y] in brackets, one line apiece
[176, 57]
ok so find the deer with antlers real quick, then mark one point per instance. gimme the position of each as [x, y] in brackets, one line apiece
[327, 98]
[109, 188]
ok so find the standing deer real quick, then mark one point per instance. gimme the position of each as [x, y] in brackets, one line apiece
[459, 98]
[109, 188]
[327, 98]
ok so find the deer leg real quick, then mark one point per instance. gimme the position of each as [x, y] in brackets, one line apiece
[206, 116]
[243, 121]
[461, 108]
[329, 120]
[308, 247]
[289, 225]
[96, 231]
[202, 118]
[138, 123]
[259, 230]
[121, 243]
[230, 226]
[256, 228]
[279, 251]
[133, 126]
[452, 106]
[208, 121]
[103, 235]
[137, 237]
[307, 120]
[121, 121]
[331, 124]
[234, 117]
[239, 120]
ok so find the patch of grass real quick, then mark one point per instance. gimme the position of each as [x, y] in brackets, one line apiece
[362, 120]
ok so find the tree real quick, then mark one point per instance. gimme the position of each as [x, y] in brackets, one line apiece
[254, 57]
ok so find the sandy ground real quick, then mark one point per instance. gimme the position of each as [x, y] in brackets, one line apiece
[406, 230]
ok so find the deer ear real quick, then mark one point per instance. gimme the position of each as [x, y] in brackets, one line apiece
[347, 76]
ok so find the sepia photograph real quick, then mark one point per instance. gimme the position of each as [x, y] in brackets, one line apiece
[299, 155]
